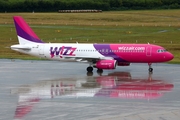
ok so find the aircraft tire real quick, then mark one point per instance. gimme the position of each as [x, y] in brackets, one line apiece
[150, 69]
[89, 69]
[99, 70]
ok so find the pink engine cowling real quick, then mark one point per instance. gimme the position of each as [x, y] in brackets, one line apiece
[105, 64]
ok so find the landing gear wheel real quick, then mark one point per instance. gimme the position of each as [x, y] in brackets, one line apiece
[150, 69]
[89, 69]
[99, 71]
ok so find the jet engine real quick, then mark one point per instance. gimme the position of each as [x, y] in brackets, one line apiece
[105, 64]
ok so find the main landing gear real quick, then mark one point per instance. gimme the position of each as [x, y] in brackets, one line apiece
[90, 70]
[150, 67]
[99, 70]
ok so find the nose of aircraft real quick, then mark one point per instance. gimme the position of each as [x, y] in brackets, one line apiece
[169, 56]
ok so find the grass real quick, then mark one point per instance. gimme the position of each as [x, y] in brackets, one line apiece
[160, 27]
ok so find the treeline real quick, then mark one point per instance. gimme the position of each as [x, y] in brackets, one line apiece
[105, 5]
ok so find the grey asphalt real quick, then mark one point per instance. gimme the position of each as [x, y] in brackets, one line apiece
[31, 89]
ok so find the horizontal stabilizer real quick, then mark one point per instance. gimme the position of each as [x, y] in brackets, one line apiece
[22, 47]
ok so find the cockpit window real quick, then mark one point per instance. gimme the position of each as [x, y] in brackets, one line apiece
[161, 50]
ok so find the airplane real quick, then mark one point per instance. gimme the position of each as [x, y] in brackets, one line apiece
[100, 56]
[116, 85]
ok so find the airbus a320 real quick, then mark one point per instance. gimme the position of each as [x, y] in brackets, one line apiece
[100, 56]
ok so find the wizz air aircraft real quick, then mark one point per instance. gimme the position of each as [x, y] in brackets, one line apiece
[100, 56]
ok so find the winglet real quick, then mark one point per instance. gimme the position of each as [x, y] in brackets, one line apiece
[24, 32]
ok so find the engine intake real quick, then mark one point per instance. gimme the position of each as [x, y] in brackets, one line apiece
[105, 64]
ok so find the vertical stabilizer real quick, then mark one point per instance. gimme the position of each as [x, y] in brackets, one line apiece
[24, 33]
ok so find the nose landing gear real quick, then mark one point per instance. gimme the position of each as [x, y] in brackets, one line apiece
[150, 67]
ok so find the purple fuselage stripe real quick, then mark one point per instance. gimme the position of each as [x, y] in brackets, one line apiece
[25, 35]
[105, 50]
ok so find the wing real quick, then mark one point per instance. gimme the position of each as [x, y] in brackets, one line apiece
[87, 58]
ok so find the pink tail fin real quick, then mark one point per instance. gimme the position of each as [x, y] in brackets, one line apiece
[24, 32]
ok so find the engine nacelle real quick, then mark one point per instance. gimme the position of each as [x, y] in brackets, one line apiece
[123, 64]
[105, 64]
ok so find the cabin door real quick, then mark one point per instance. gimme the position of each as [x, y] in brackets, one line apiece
[148, 51]
[41, 50]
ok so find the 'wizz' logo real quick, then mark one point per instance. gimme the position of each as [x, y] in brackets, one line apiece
[60, 51]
